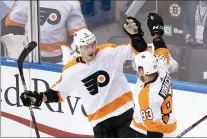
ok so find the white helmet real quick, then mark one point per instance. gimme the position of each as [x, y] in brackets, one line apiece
[148, 61]
[83, 37]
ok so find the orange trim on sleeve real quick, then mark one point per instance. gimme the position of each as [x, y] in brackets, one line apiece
[157, 127]
[9, 22]
[163, 51]
[144, 98]
[110, 107]
[134, 50]
[52, 46]
[71, 32]
[59, 80]
[69, 64]
[59, 96]
[103, 46]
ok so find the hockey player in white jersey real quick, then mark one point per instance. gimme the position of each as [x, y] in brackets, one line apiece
[153, 108]
[97, 75]
[58, 21]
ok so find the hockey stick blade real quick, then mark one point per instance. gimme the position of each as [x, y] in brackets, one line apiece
[26, 52]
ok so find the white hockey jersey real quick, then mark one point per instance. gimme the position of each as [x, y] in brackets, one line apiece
[101, 83]
[58, 20]
[153, 104]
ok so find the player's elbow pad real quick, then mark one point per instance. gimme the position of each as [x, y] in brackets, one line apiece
[139, 44]
[52, 96]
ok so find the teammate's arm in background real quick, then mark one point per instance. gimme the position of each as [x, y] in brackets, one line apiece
[17, 15]
[76, 19]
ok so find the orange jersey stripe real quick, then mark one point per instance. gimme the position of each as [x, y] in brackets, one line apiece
[144, 98]
[135, 51]
[9, 22]
[110, 107]
[163, 51]
[71, 32]
[52, 46]
[69, 64]
[60, 79]
[157, 127]
[103, 46]
[59, 96]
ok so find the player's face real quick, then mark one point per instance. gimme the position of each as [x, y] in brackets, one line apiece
[88, 52]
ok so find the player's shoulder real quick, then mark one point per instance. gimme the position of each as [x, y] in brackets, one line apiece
[164, 77]
[163, 72]
[105, 46]
[73, 62]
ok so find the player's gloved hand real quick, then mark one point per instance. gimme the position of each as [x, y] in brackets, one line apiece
[31, 98]
[133, 28]
[155, 24]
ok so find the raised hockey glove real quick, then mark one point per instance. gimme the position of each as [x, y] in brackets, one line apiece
[133, 28]
[155, 24]
[31, 98]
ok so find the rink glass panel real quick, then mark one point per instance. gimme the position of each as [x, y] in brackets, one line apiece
[105, 18]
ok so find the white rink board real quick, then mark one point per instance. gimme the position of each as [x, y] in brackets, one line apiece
[189, 108]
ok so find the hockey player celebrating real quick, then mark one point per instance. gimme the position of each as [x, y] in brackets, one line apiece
[153, 110]
[97, 75]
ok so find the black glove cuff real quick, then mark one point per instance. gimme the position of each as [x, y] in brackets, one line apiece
[158, 42]
[138, 36]
[139, 44]
[52, 96]
[39, 99]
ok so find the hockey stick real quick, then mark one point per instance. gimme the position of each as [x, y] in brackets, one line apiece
[192, 126]
[20, 62]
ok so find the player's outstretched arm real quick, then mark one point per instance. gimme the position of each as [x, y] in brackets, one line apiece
[155, 24]
[34, 98]
[133, 29]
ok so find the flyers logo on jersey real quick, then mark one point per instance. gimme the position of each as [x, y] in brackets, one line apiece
[98, 79]
[52, 16]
